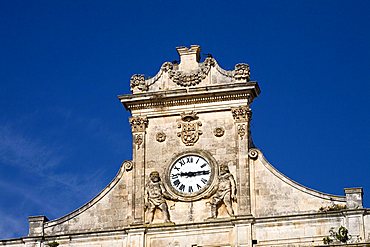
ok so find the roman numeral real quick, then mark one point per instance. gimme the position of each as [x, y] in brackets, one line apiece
[198, 186]
[174, 176]
[197, 161]
[182, 187]
[176, 168]
[190, 189]
[176, 182]
[204, 180]
[189, 159]
[182, 162]
[203, 165]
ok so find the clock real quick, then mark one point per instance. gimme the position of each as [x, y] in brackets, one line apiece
[190, 175]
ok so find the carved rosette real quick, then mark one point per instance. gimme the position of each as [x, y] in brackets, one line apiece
[160, 136]
[242, 114]
[138, 81]
[138, 124]
[219, 131]
[242, 72]
[190, 131]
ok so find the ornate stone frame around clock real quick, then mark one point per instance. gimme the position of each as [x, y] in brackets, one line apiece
[206, 192]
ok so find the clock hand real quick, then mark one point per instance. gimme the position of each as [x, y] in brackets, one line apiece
[201, 173]
[185, 174]
[192, 174]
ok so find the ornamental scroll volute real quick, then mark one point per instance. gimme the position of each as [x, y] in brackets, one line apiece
[190, 131]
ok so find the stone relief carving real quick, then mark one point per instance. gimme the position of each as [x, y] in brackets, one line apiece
[242, 114]
[189, 128]
[155, 198]
[242, 72]
[138, 81]
[128, 165]
[138, 124]
[241, 130]
[219, 131]
[138, 140]
[191, 78]
[160, 136]
[225, 193]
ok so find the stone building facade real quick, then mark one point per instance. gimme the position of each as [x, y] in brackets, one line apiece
[196, 178]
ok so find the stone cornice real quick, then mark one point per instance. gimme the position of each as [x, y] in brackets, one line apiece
[191, 96]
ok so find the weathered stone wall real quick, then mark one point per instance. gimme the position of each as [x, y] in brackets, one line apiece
[160, 154]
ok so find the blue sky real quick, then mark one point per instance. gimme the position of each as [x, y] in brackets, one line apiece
[64, 134]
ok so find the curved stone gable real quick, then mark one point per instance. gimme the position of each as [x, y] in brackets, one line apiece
[276, 194]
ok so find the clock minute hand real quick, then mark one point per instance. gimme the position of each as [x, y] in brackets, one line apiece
[201, 173]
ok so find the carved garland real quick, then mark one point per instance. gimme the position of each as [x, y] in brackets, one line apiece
[241, 72]
[190, 79]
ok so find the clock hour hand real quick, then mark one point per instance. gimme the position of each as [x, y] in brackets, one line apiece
[193, 174]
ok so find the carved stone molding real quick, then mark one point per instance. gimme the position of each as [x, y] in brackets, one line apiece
[242, 114]
[138, 140]
[138, 124]
[128, 165]
[172, 102]
[242, 72]
[190, 131]
[219, 131]
[241, 130]
[160, 136]
[253, 154]
[138, 81]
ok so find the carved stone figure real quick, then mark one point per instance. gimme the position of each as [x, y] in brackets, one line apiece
[155, 198]
[225, 193]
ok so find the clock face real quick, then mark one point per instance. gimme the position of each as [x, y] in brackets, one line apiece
[190, 175]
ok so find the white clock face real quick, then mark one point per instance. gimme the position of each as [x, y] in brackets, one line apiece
[190, 174]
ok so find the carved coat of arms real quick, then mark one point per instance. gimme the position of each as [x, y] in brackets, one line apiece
[190, 131]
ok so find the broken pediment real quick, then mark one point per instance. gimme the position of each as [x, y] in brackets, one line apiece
[190, 72]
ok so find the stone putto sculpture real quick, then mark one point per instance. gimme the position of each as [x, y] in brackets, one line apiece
[225, 193]
[155, 198]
